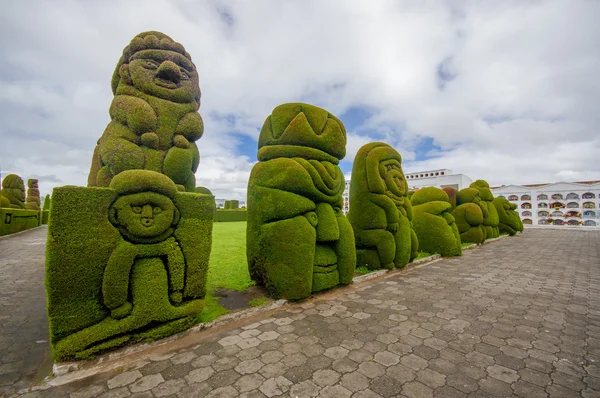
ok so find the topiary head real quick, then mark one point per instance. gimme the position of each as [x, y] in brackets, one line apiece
[144, 210]
[382, 167]
[302, 130]
[429, 194]
[15, 184]
[158, 66]
[484, 190]
[468, 195]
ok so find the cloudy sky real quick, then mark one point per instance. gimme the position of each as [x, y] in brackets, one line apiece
[507, 91]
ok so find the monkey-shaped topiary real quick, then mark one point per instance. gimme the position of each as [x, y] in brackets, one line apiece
[509, 220]
[155, 120]
[13, 189]
[380, 211]
[490, 220]
[434, 225]
[33, 194]
[298, 239]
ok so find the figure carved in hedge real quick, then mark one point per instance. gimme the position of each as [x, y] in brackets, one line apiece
[13, 189]
[434, 225]
[33, 194]
[380, 211]
[155, 120]
[509, 220]
[144, 278]
[469, 216]
[298, 240]
[490, 221]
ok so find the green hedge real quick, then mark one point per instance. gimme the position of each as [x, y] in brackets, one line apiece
[110, 278]
[469, 215]
[298, 240]
[17, 220]
[230, 215]
[434, 225]
[231, 204]
[509, 220]
[490, 214]
[380, 211]
[13, 189]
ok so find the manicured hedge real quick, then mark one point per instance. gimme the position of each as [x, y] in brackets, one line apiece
[469, 216]
[230, 215]
[17, 220]
[490, 214]
[231, 204]
[13, 190]
[298, 240]
[509, 220]
[380, 211]
[434, 225]
[109, 277]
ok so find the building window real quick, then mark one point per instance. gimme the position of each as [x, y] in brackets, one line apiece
[558, 222]
[544, 221]
[589, 223]
[543, 205]
[589, 213]
[442, 173]
[557, 205]
[526, 213]
[527, 221]
[542, 196]
[557, 196]
[588, 195]
[572, 205]
[513, 198]
[589, 205]
[572, 195]
[557, 214]
[525, 197]
[543, 213]
[526, 205]
[573, 222]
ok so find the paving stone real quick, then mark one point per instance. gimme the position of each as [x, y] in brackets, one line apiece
[123, 379]
[275, 386]
[386, 358]
[525, 389]
[414, 389]
[146, 383]
[326, 377]
[169, 387]
[249, 382]
[431, 378]
[414, 362]
[247, 367]
[355, 381]
[199, 375]
[503, 374]
[222, 392]
[304, 389]
[371, 369]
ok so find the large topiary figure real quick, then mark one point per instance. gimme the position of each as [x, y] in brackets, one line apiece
[33, 194]
[468, 215]
[490, 220]
[298, 240]
[509, 220]
[125, 263]
[154, 115]
[380, 211]
[13, 189]
[434, 225]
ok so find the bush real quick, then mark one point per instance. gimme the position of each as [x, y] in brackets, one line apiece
[17, 220]
[13, 189]
[434, 225]
[125, 264]
[230, 215]
[298, 240]
[509, 220]
[469, 216]
[380, 211]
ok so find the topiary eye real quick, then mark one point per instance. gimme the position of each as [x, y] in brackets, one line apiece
[156, 210]
[136, 209]
[148, 64]
[184, 75]
[312, 218]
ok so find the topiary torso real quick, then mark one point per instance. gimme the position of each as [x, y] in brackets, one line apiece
[13, 189]
[490, 220]
[469, 215]
[509, 220]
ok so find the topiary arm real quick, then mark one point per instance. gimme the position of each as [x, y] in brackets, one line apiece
[176, 270]
[134, 113]
[392, 215]
[191, 127]
[115, 283]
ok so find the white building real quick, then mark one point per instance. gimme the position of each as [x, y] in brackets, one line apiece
[561, 203]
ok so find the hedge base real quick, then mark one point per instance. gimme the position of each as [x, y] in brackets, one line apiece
[17, 220]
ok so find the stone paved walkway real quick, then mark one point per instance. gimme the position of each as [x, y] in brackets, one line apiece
[24, 349]
[517, 317]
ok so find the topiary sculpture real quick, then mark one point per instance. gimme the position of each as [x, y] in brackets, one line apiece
[509, 220]
[13, 189]
[380, 211]
[47, 202]
[298, 240]
[33, 194]
[490, 220]
[155, 120]
[434, 225]
[469, 216]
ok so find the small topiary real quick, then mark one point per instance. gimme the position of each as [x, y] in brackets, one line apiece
[490, 216]
[469, 216]
[380, 211]
[298, 239]
[13, 189]
[47, 202]
[33, 194]
[155, 120]
[434, 225]
[510, 221]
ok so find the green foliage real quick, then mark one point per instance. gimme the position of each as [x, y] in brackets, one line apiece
[490, 214]
[380, 211]
[13, 189]
[423, 255]
[17, 220]
[452, 197]
[434, 225]
[509, 220]
[154, 119]
[298, 240]
[105, 288]
[231, 204]
[257, 302]
[230, 215]
[33, 195]
[469, 221]
[47, 202]
[203, 190]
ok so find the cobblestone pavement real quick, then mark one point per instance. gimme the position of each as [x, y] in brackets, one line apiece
[517, 317]
[24, 347]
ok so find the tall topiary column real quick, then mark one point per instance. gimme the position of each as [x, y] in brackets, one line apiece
[33, 194]
[490, 220]
[380, 211]
[127, 261]
[13, 189]
[434, 225]
[298, 239]
[509, 220]
[154, 114]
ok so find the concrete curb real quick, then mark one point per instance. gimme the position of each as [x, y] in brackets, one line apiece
[22, 232]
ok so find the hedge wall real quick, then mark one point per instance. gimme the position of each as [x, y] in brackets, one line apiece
[230, 215]
[110, 278]
[17, 220]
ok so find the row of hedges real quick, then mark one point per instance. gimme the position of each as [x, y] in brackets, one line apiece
[17, 220]
[229, 215]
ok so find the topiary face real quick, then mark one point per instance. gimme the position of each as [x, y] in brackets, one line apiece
[395, 182]
[143, 216]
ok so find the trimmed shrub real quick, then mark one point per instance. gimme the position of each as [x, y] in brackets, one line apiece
[469, 215]
[230, 215]
[123, 264]
[33, 194]
[434, 225]
[490, 214]
[231, 205]
[154, 114]
[298, 239]
[47, 202]
[16, 220]
[380, 211]
[509, 220]
[452, 197]
[203, 190]
[13, 189]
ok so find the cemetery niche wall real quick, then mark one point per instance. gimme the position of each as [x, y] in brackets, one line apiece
[298, 239]
[380, 211]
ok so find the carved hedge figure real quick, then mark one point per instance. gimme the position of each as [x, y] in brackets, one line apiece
[469, 216]
[380, 211]
[13, 189]
[434, 225]
[125, 263]
[154, 114]
[298, 240]
[509, 220]
[490, 221]
[33, 194]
